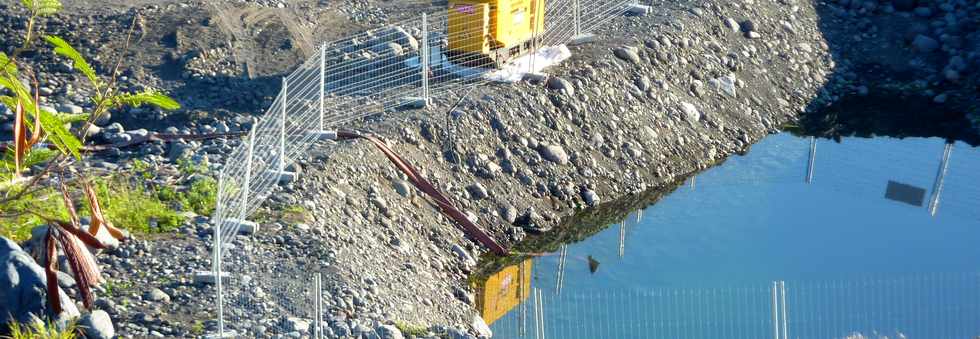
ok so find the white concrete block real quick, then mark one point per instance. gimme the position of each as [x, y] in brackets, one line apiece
[638, 10]
[583, 38]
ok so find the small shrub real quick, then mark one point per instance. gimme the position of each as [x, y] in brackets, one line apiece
[201, 196]
[411, 330]
[45, 202]
[132, 207]
[41, 330]
[295, 214]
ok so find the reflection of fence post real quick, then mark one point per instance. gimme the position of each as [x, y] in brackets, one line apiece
[813, 157]
[522, 299]
[937, 187]
[563, 254]
[282, 129]
[538, 314]
[323, 80]
[775, 312]
[782, 290]
[622, 239]
[424, 59]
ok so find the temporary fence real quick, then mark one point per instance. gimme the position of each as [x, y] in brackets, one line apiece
[917, 306]
[379, 70]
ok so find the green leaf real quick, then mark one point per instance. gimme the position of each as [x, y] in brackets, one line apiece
[149, 97]
[48, 7]
[69, 118]
[42, 7]
[6, 65]
[38, 156]
[60, 136]
[14, 85]
[62, 48]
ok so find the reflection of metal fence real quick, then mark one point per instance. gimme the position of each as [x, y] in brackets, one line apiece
[370, 73]
[920, 306]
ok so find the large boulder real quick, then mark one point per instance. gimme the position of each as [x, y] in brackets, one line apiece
[23, 293]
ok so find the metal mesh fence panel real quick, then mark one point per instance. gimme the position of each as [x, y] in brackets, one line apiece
[369, 73]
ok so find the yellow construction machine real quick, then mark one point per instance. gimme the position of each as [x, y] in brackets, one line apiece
[486, 33]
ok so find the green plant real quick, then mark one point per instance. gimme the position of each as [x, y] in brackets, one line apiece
[295, 214]
[142, 169]
[33, 125]
[188, 167]
[411, 330]
[115, 288]
[197, 328]
[42, 330]
[134, 208]
[18, 193]
[201, 196]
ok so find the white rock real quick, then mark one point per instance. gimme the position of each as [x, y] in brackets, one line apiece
[690, 112]
[97, 325]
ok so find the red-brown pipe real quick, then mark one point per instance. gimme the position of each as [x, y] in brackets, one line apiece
[426, 187]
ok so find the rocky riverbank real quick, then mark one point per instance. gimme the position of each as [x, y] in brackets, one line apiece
[656, 98]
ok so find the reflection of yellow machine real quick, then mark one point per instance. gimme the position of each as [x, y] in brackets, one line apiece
[503, 291]
[484, 32]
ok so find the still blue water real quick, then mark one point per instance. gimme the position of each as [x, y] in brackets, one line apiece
[701, 262]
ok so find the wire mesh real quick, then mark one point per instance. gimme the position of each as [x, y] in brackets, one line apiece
[369, 73]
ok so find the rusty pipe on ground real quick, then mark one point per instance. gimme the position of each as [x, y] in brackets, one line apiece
[445, 205]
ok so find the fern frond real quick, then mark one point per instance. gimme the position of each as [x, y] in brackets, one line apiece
[62, 48]
[58, 135]
[42, 7]
[146, 98]
[47, 7]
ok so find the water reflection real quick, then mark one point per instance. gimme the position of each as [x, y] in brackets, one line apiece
[500, 292]
[859, 244]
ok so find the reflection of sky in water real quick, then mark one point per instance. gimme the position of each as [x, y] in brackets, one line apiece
[712, 249]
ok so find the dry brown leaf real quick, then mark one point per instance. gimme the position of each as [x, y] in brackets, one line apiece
[98, 218]
[50, 270]
[20, 139]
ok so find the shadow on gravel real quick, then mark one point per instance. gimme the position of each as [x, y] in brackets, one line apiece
[208, 98]
[898, 74]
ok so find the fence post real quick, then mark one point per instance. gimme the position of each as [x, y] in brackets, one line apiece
[317, 331]
[216, 269]
[424, 59]
[282, 129]
[243, 213]
[323, 78]
[576, 17]
[319, 304]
